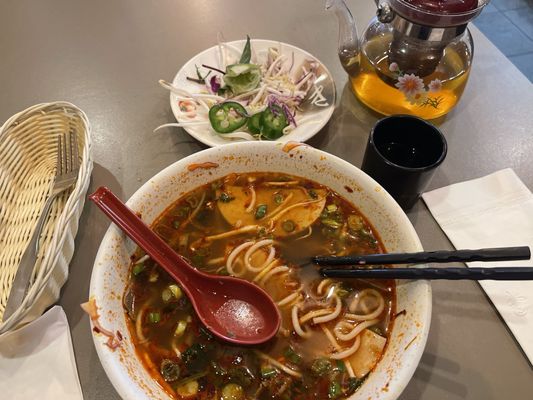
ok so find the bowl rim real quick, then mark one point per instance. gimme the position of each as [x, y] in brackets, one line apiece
[123, 385]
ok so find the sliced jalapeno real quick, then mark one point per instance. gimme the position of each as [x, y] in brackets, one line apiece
[274, 121]
[227, 117]
[255, 124]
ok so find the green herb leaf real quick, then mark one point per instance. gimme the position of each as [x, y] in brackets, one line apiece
[242, 78]
[261, 211]
[246, 52]
[176, 224]
[154, 317]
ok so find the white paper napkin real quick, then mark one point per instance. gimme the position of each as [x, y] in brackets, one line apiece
[493, 211]
[37, 360]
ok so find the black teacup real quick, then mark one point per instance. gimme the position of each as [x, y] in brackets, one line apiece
[402, 155]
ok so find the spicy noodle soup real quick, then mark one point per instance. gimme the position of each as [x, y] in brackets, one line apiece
[262, 227]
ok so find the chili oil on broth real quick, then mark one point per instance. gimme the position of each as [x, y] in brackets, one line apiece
[260, 227]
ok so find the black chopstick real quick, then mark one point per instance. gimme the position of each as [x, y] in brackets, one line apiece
[442, 256]
[477, 274]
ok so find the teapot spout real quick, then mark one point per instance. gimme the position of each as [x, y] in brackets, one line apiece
[348, 46]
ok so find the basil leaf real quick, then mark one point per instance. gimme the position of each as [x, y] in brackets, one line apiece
[246, 52]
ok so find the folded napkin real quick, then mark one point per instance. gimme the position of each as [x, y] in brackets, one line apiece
[493, 211]
[37, 360]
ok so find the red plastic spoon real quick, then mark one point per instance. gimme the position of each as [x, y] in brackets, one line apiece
[233, 309]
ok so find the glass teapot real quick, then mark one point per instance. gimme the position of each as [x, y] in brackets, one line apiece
[414, 57]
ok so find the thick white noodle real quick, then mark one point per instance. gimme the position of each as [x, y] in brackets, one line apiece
[307, 234]
[234, 253]
[333, 315]
[322, 285]
[139, 324]
[273, 272]
[296, 323]
[265, 270]
[288, 299]
[253, 249]
[355, 331]
[315, 313]
[291, 207]
[244, 229]
[280, 207]
[348, 352]
[250, 208]
[279, 365]
[338, 348]
[142, 259]
[359, 297]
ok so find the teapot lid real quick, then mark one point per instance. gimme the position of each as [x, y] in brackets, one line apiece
[438, 13]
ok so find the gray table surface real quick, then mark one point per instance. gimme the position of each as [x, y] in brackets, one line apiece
[106, 57]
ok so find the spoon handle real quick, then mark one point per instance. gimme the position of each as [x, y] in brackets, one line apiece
[442, 256]
[141, 234]
[476, 274]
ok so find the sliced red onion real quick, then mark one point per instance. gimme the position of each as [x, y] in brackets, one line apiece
[214, 83]
[288, 114]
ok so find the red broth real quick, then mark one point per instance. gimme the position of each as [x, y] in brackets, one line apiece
[262, 227]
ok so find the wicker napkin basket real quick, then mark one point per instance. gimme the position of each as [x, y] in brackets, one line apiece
[28, 157]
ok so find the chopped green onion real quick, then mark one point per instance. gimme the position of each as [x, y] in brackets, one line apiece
[176, 224]
[138, 268]
[225, 198]
[169, 370]
[353, 385]
[176, 291]
[312, 194]
[180, 329]
[288, 226]
[154, 317]
[278, 198]
[340, 366]
[320, 367]
[331, 208]
[331, 223]
[355, 222]
[232, 391]
[188, 389]
[268, 372]
[261, 211]
[166, 295]
[292, 356]
[334, 390]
